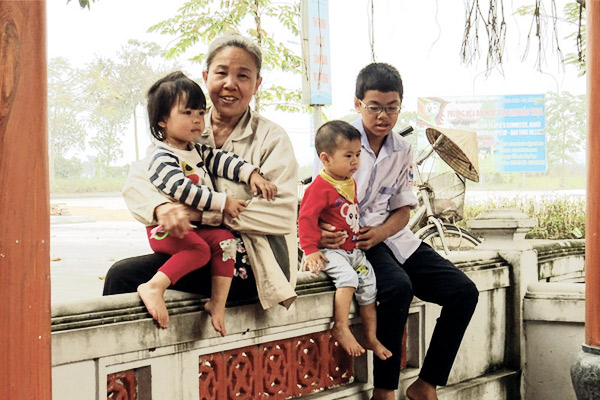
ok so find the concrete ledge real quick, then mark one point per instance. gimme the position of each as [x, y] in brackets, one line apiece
[552, 301]
[502, 384]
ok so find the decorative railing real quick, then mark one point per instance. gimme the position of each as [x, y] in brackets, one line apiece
[279, 353]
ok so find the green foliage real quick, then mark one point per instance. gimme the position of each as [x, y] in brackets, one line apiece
[84, 3]
[67, 168]
[201, 21]
[574, 16]
[107, 114]
[66, 127]
[566, 116]
[557, 218]
[117, 171]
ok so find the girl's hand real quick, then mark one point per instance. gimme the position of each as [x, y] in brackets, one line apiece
[233, 207]
[314, 262]
[174, 218]
[258, 184]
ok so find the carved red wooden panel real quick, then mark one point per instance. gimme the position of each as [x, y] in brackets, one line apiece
[275, 370]
[309, 371]
[210, 376]
[122, 386]
[403, 355]
[276, 364]
[340, 365]
[242, 374]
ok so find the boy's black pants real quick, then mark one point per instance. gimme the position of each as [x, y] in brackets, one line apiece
[431, 278]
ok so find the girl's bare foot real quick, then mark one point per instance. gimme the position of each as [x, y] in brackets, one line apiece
[378, 349]
[346, 339]
[217, 316]
[155, 303]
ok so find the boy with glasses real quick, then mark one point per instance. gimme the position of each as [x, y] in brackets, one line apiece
[404, 266]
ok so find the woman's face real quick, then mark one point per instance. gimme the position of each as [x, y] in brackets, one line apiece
[232, 79]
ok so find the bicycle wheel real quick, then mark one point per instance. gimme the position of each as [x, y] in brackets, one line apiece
[456, 238]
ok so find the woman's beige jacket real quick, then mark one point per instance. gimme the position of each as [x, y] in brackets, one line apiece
[268, 228]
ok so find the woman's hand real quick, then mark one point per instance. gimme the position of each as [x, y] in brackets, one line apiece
[233, 206]
[174, 218]
[258, 184]
[370, 236]
[314, 262]
[331, 238]
[195, 214]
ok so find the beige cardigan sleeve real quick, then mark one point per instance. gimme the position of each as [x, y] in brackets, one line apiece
[278, 165]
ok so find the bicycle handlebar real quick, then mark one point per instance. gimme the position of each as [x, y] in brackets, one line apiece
[406, 131]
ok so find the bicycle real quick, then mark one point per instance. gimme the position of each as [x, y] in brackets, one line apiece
[441, 196]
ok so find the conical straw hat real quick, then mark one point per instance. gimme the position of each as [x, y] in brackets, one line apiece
[458, 149]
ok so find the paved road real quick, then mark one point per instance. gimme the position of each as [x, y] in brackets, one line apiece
[84, 245]
[101, 231]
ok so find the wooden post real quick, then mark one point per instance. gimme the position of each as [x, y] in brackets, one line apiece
[585, 371]
[25, 362]
[592, 223]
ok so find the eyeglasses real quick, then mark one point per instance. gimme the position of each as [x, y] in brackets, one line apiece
[376, 110]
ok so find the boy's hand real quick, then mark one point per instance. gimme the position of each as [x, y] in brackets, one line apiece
[370, 236]
[314, 262]
[174, 218]
[331, 238]
[233, 207]
[258, 184]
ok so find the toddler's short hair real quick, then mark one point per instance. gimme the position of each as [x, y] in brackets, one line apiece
[329, 133]
[166, 93]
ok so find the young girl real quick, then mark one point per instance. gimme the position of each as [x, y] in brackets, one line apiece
[178, 167]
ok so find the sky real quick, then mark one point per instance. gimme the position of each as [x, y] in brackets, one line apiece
[420, 38]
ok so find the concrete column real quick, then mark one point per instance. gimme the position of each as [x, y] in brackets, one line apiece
[585, 373]
[24, 203]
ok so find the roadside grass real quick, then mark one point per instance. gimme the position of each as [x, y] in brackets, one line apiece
[557, 218]
[86, 185]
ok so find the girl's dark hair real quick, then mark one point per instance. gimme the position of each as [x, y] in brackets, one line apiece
[378, 76]
[328, 134]
[166, 93]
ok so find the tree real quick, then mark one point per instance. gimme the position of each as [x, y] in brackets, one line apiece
[565, 128]
[66, 131]
[200, 21]
[139, 65]
[107, 112]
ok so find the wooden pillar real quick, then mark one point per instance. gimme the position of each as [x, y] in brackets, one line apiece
[592, 241]
[25, 362]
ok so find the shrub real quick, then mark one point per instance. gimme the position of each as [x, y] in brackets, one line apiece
[557, 218]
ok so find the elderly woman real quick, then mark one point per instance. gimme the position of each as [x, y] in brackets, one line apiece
[267, 228]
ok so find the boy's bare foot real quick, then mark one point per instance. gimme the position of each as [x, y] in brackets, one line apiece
[421, 390]
[217, 316]
[346, 339]
[378, 349]
[155, 303]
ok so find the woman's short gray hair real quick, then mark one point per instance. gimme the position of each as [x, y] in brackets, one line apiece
[235, 40]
